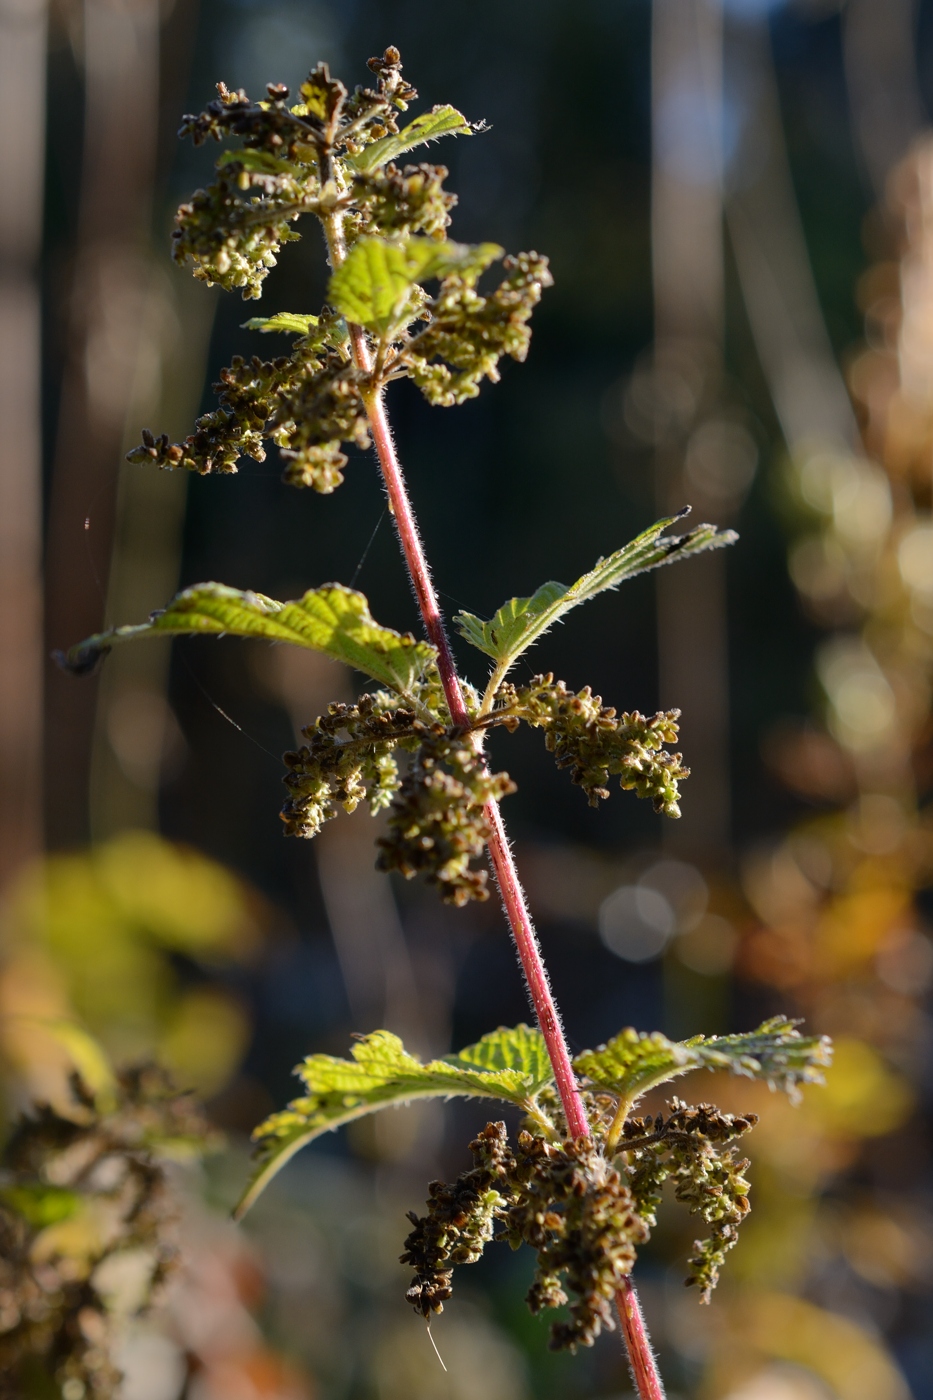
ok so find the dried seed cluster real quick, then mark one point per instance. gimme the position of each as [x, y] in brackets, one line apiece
[437, 828]
[459, 1222]
[576, 1211]
[596, 743]
[583, 1214]
[563, 1199]
[99, 1174]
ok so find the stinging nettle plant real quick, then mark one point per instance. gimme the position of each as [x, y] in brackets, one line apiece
[582, 1183]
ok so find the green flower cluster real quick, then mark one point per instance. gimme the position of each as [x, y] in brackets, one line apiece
[437, 826]
[348, 759]
[596, 743]
[308, 403]
[230, 233]
[467, 334]
[335, 156]
[398, 202]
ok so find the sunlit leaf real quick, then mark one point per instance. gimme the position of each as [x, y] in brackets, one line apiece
[633, 1062]
[331, 619]
[373, 285]
[511, 1065]
[440, 121]
[521, 621]
[289, 321]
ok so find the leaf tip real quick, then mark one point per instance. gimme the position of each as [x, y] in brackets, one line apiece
[83, 659]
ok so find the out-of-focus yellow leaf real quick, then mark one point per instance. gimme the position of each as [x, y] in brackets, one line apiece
[86, 1055]
[97, 928]
[853, 926]
[205, 1040]
[178, 896]
[863, 1097]
[835, 1349]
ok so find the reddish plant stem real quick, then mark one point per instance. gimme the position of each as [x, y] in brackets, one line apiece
[644, 1368]
[641, 1358]
[513, 897]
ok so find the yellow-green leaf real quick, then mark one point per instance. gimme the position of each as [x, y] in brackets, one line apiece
[375, 286]
[633, 1062]
[332, 619]
[440, 121]
[86, 1054]
[289, 321]
[507, 1064]
[521, 621]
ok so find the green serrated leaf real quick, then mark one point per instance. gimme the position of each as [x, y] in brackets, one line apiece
[521, 621]
[440, 121]
[289, 321]
[332, 619]
[507, 1064]
[633, 1062]
[374, 285]
[518, 1053]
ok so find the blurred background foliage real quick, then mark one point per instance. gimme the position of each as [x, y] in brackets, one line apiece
[737, 199]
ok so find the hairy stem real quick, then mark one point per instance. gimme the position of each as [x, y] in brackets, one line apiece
[513, 896]
[645, 1372]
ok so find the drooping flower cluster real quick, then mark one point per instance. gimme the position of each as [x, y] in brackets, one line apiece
[582, 1210]
[691, 1148]
[468, 333]
[308, 403]
[437, 827]
[596, 743]
[348, 759]
[460, 1221]
[334, 155]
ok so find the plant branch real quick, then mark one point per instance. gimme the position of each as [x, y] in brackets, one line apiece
[513, 897]
[645, 1372]
[641, 1358]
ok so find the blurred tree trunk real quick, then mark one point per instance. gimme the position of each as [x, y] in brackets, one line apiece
[687, 259]
[773, 265]
[879, 47]
[105, 320]
[22, 170]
